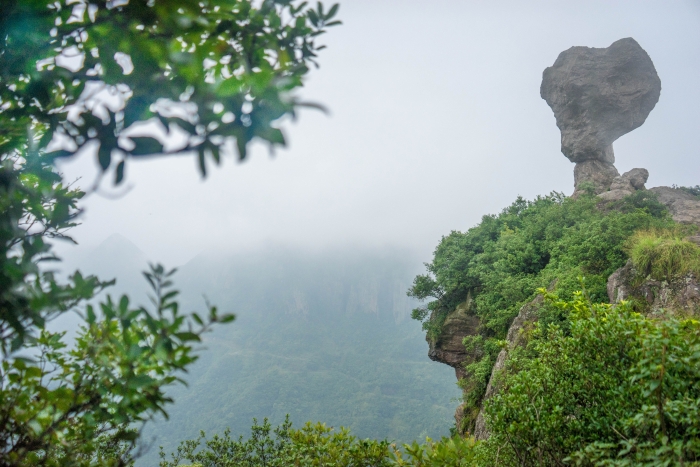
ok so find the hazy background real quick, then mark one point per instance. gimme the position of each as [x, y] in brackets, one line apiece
[436, 119]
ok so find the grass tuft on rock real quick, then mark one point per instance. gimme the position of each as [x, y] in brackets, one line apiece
[664, 254]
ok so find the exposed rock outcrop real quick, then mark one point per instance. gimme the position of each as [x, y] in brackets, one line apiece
[449, 348]
[598, 173]
[678, 296]
[626, 184]
[598, 95]
[683, 206]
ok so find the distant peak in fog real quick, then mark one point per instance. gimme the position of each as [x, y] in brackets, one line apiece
[117, 242]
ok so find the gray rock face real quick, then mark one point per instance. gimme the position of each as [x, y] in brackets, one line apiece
[626, 184]
[598, 95]
[683, 206]
[681, 296]
[449, 349]
[631, 181]
[598, 173]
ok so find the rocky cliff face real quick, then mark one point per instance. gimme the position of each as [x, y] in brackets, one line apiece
[597, 95]
[448, 348]
[683, 206]
[679, 296]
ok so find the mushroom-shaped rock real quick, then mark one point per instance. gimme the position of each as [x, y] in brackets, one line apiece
[598, 95]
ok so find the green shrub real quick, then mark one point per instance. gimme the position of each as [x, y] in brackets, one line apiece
[620, 389]
[448, 452]
[501, 262]
[314, 445]
[664, 254]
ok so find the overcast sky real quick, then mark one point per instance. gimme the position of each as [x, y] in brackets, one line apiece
[436, 120]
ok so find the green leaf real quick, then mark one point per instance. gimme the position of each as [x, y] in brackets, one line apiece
[59, 154]
[146, 146]
[187, 336]
[202, 162]
[227, 318]
[273, 135]
[104, 156]
[241, 144]
[332, 12]
[90, 314]
[229, 87]
[119, 177]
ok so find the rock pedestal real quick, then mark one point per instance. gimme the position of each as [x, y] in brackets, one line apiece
[598, 95]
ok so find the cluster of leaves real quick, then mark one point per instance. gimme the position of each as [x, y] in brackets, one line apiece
[36, 207]
[615, 388]
[618, 389]
[89, 73]
[665, 254]
[65, 404]
[498, 265]
[314, 445]
[447, 452]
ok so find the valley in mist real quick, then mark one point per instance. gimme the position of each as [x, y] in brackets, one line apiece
[323, 336]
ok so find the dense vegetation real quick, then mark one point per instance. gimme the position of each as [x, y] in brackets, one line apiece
[596, 384]
[617, 388]
[498, 265]
[312, 445]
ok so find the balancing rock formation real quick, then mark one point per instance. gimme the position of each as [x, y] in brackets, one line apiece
[598, 95]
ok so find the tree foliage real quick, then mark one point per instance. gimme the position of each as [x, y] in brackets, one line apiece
[65, 403]
[498, 265]
[446, 452]
[619, 389]
[314, 445]
[36, 208]
[213, 72]
[96, 76]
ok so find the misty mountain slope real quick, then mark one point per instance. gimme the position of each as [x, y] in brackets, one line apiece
[115, 258]
[323, 337]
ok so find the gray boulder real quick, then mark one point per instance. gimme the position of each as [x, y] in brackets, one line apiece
[683, 206]
[680, 296]
[633, 180]
[626, 184]
[598, 95]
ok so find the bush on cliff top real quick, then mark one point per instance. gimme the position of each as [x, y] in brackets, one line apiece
[618, 389]
[501, 263]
